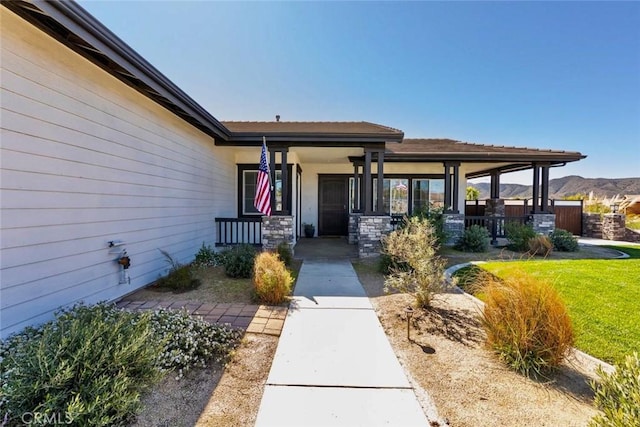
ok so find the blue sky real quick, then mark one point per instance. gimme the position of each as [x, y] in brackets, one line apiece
[561, 75]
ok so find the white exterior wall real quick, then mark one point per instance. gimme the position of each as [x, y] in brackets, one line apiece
[84, 160]
[310, 172]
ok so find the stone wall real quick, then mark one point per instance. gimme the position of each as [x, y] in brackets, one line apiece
[354, 223]
[370, 231]
[543, 223]
[592, 225]
[275, 230]
[631, 236]
[453, 227]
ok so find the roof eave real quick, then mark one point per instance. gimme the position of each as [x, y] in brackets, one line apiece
[122, 61]
[310, 139]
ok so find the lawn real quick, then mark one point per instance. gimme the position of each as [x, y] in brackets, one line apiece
[603, 298]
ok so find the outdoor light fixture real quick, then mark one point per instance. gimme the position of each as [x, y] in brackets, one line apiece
[615, 207]
[409, 312]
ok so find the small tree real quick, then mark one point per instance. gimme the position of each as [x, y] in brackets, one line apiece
[473, 193]
[415, 246]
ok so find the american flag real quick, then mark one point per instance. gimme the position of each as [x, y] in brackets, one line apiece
[262, 201]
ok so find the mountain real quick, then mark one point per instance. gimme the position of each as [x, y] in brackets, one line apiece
[567, 186]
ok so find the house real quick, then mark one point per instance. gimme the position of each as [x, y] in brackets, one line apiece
[104, 158]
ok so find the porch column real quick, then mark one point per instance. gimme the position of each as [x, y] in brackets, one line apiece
[380, 205]
[286, 209]
[456, 187]
[451, 206]
[495, 185]
[544, 203]
[357, 196]
[447, 188]
[536, 188]
[367, 183]
[272, 170]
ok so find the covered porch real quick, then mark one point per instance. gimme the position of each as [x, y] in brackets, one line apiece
[327, 174]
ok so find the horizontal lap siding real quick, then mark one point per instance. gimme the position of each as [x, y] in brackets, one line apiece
[85, 160]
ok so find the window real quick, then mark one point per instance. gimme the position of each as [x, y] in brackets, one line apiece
[395, 195]
[247, 179]
[426, 193]
[406, 195]
[250, 178]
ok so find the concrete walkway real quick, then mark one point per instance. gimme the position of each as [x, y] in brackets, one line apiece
[334, 365]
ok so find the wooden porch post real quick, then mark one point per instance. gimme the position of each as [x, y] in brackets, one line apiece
[286, 209]
[456, 187]
[536, 188]
[544, 203]
[380, 205]
[367, 184]
[495, 185]
[447, 188]
[272, 169]
[357, 196]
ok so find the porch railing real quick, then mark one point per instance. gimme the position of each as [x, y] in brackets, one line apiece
[495, 225]
[235, 231]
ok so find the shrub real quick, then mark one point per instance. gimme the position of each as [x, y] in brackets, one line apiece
[526, 323]
[435, 216]
[205, 257]
[474, 239]
[271, 278]
[285, 253]
[89, 365]
[238, 261]
[618, 395]
[540, 245]
[190, 341]
[179, 278]
[563, 241]
[519, 235]
[414, 246]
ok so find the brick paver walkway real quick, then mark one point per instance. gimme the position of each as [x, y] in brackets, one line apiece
[258, 319]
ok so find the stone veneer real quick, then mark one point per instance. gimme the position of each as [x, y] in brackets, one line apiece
[354, 224]
[611, 226]
[543, 223]
[370, 231]
[275, 230]
[453, 227]
[592, 225]
[614, 226]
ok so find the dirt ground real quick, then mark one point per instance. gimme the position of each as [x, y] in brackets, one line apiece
[209, 397]
[469, 386]
[446, 362]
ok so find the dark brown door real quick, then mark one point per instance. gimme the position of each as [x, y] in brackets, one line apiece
[333, 210]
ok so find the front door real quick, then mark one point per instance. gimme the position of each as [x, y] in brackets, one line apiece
[333, 210]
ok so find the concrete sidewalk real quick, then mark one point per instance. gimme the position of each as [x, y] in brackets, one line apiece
[334, 365]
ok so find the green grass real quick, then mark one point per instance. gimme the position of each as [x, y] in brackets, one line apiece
[603, 298]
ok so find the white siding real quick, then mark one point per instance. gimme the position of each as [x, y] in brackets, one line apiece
[85, 160]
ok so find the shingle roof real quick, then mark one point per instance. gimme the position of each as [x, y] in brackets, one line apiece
[440, 146]
[310, 127]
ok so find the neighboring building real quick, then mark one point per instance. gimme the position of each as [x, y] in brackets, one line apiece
[98, 147]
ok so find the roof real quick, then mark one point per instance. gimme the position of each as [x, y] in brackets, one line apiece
[311, 133]
[438, 148]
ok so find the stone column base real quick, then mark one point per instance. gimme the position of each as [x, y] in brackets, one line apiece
[370, 231]
[354, 224]
[275, 230]
[453, 227]
[543, 223]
